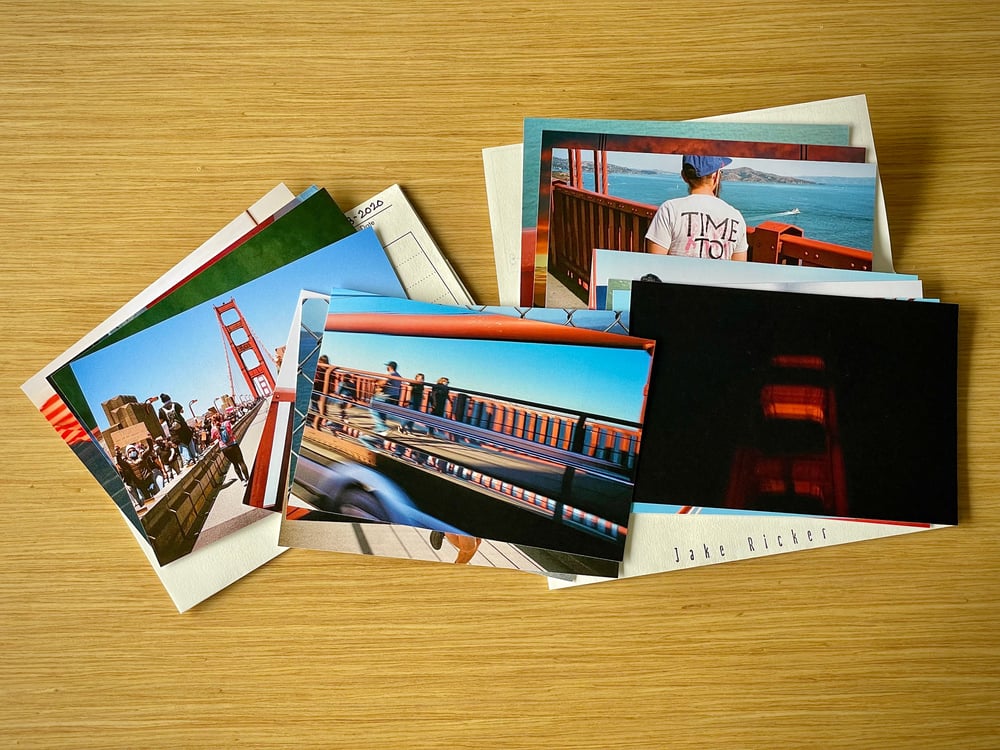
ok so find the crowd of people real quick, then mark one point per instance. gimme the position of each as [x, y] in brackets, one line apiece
[147, 466]
[420, 396]
[390, 392]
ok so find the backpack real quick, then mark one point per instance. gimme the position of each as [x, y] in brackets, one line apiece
[174, 421]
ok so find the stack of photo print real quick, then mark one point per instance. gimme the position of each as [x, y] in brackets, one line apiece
[663, 386]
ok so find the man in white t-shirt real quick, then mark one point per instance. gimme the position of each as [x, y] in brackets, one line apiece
[699, 225]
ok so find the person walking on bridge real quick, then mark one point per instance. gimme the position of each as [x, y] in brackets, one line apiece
[438, 401]
[222, 433]
[701, 224]
[347, 391]
[416, 401]
[389, 393]
[141, 467]
[134, 489]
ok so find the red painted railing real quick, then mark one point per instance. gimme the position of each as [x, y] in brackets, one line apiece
[774, 242]
[612, 444]
[584, 220]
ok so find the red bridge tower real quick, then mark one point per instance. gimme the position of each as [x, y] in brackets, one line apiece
[245, 349]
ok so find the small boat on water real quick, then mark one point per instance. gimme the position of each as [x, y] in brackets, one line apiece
[794, 211]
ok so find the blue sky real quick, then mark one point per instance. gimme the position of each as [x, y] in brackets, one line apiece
[606, 381]
[186, 355]
[785, 167]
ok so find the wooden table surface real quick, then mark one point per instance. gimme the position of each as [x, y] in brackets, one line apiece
[130, 132]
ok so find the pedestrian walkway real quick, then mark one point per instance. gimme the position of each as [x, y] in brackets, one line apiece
[229, 513]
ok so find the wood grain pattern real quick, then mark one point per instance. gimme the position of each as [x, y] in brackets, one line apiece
[129, 132]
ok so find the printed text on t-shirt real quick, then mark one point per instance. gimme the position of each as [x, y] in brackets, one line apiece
[707, 237]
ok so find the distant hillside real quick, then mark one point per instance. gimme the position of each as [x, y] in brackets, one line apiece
[562, 165]
[745, 174]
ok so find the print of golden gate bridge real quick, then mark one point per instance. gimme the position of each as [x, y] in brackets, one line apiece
[198, 505]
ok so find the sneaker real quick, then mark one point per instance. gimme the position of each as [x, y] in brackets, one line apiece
[437, 537]
[383, 433]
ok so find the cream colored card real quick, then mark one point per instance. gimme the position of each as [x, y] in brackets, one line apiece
[420, 265]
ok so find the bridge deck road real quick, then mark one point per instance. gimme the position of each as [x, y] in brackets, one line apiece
[228, 512]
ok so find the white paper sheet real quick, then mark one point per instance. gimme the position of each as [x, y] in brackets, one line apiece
[690, 541]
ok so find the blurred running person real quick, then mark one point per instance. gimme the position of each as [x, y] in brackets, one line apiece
[416, 401]
[388, 393]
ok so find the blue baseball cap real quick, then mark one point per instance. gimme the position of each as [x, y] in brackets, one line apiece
[705, 165]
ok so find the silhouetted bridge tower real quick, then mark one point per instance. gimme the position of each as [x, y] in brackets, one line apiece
[248, 352]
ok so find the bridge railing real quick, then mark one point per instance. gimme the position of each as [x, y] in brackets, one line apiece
[583, 220]
[609, 444]
[574, 442]
[774, 242]
[175, 520]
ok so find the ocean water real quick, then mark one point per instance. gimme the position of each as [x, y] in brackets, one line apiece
[841, 211]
